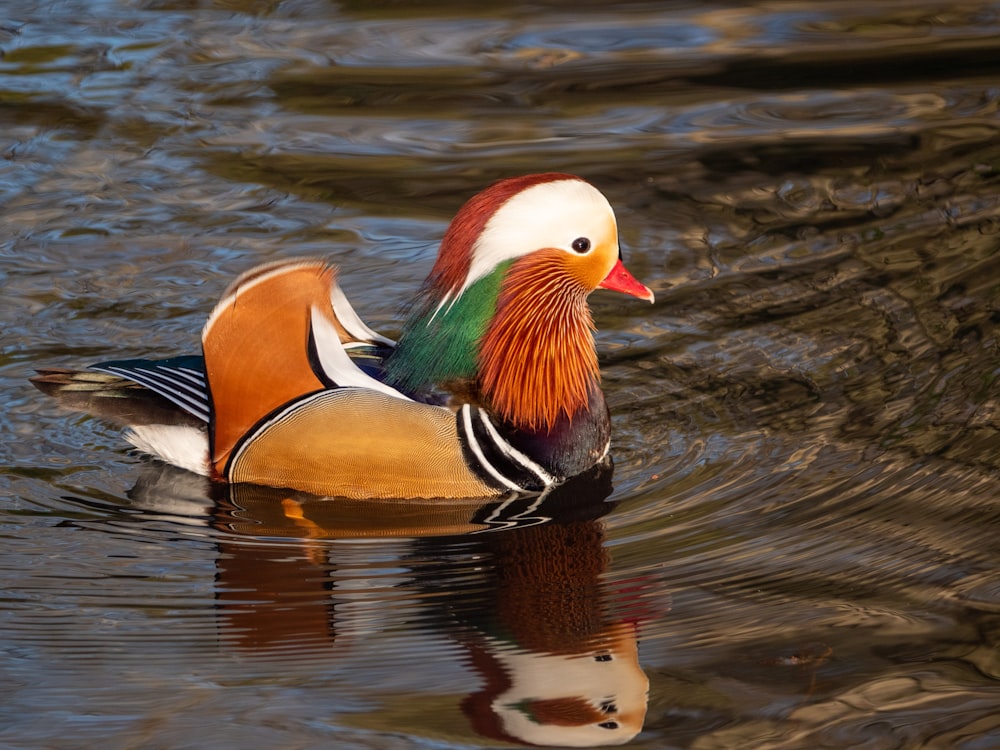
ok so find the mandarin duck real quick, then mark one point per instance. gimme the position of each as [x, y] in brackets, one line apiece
[492, 387]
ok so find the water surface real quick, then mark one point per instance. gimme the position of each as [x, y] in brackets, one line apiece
[797, 547]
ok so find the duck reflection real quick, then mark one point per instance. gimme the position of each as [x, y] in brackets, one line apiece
[557, 665]
[557, 669]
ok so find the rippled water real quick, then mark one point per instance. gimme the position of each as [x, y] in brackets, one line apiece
[798, 547]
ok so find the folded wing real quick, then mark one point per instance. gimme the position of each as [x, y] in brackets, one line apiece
[292, 407]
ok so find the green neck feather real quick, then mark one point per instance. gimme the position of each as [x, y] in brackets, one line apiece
[445, 347]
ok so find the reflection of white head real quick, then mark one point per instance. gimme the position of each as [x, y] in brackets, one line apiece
[580, 700]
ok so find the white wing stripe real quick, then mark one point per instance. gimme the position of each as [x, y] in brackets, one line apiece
[192, 376]
[192, 397]
[337, 364]
[351, 321]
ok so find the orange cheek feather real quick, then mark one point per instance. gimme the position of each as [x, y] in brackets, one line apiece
[537, 361]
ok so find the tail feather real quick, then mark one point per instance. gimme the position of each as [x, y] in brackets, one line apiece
[180, 380]
[118, 400]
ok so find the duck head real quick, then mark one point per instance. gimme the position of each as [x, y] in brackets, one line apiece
[504, 310]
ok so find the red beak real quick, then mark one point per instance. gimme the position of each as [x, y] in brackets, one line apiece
[620, 280]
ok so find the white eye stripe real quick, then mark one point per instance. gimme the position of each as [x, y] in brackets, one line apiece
[549, 214]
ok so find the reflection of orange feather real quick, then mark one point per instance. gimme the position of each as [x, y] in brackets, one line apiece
[548, 592]
[256, 347]
[538, 361]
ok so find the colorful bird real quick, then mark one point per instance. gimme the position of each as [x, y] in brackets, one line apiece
[493, 386]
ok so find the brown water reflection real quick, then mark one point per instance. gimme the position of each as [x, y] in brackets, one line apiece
[801, 532]
[515, 584]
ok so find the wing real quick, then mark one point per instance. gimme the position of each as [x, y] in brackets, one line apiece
[180, 380]
[117, 395]
[281, 332]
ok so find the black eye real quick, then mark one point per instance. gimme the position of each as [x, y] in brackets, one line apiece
[608, 725]
[581, 245]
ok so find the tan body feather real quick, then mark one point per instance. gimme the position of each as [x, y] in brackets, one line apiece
[357, 443]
